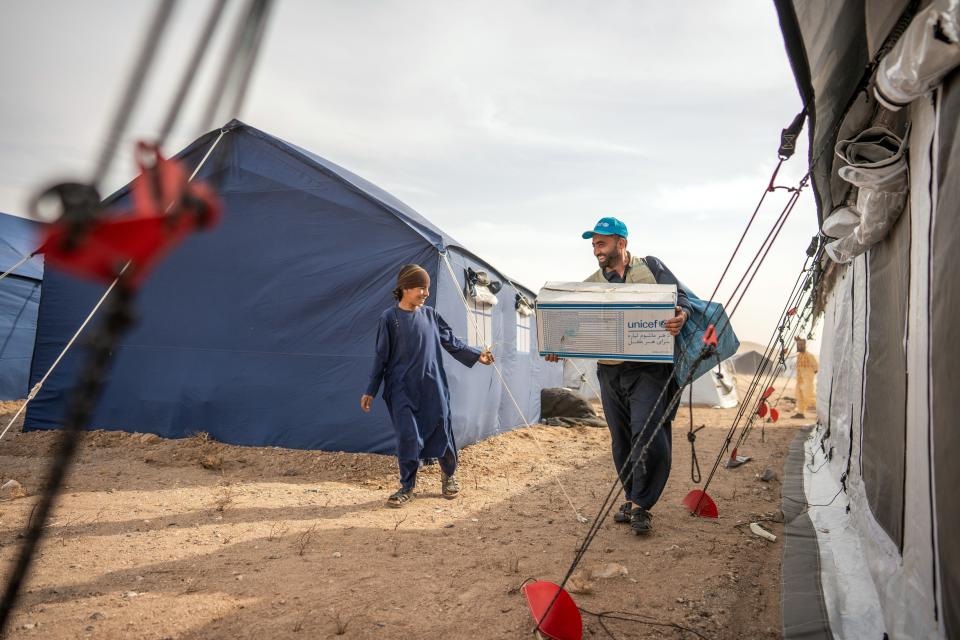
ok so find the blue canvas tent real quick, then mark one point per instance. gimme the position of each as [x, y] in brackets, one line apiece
[261, 331]
[19, 299]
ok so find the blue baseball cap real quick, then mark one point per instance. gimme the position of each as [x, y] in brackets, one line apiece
[607, 227]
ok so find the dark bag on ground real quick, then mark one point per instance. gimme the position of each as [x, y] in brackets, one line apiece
[560, 407]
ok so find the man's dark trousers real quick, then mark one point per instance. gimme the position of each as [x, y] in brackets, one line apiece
[631, 393]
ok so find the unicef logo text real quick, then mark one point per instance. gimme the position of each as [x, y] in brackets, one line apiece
[647, 324]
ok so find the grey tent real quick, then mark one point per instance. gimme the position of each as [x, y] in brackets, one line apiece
[872, 548]
[716, 388]
[749, 362]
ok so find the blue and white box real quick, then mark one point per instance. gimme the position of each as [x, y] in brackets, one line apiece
[606, 321]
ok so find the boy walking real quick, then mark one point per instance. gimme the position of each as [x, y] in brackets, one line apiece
[407, 361]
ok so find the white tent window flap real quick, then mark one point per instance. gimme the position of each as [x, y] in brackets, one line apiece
[523, 333]
[479, 323]
[524, 313]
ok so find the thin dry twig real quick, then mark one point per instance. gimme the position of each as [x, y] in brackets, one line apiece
[225, 499]
[305, 538]
[339, 622]
[277, 531]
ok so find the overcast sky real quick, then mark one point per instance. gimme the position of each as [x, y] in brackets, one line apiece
[513, 126]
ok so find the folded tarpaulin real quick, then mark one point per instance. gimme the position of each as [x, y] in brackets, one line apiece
[690, 341]
[928, 50]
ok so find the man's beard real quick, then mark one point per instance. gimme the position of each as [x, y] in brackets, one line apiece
[608, 260]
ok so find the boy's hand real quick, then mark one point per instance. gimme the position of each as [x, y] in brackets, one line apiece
[552, 358]
[486, 357]
[366, 402]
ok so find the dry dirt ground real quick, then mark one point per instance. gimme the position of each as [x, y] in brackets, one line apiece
[196, 539]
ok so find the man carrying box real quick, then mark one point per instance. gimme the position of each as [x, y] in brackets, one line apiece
[630, 390]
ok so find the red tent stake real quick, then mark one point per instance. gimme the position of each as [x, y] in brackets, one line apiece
[561, 621]
[735, 461]
[700, 504]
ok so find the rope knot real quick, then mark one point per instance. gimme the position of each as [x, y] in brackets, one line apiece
[692, 438]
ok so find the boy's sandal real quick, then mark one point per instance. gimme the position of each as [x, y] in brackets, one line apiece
[450, 486]
[400, 498]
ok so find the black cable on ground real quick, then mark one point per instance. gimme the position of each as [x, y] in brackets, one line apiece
[638, 618]
[808, 504]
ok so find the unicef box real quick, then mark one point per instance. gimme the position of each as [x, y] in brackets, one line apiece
[606, 321]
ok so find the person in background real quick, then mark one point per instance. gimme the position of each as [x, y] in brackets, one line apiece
[806, 371]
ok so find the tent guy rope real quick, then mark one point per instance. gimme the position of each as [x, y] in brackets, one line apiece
[19, 264]
[745, 281]
[194, 208]
[576, 512]
[39, 385]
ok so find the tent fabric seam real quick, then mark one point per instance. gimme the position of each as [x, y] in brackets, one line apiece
[934, 205]
[793, 557]
[296, 154]
[299, 156]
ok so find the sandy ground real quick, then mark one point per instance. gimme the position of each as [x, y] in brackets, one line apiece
[195, 539]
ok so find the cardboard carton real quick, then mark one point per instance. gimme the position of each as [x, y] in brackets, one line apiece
[606, 321]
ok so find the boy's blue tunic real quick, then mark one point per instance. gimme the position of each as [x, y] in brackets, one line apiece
[408, 362]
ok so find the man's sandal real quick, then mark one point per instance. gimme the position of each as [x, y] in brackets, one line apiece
[400, 498]
[622, 515]
[641, 521]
